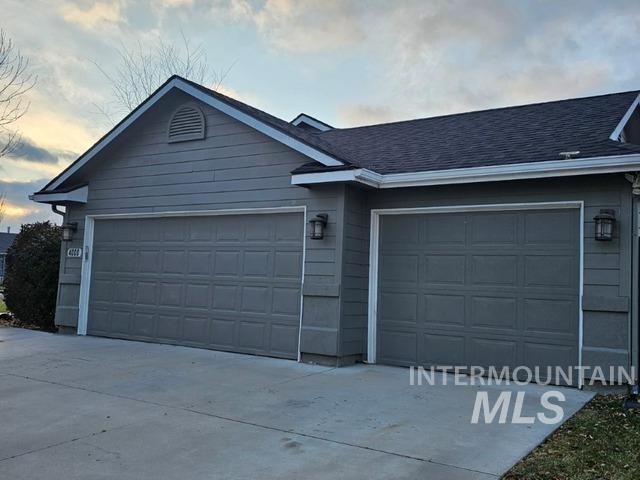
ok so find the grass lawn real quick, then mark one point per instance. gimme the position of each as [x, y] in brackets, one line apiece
[602, 441]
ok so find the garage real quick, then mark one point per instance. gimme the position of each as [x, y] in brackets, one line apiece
[479, 287]
[225, 282]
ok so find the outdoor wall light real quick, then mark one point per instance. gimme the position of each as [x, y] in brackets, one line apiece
[67, 231]
[605, 221]
[318, 223]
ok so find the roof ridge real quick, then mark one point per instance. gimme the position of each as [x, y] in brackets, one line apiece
[471, 112]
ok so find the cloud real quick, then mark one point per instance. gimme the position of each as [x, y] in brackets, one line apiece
[19, 209]
[95, 15]
[27, 150]
[356, 115]
[301, 26]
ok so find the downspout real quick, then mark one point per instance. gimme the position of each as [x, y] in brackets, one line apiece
[634, 334]
[55, 209]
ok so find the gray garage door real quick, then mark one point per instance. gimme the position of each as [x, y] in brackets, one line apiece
[480, 288]
[222, 282]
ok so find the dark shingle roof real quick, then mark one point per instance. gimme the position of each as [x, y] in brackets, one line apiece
[528, 133]
[6, 239]
[304, 135]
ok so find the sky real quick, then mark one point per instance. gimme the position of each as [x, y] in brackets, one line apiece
[347, 63]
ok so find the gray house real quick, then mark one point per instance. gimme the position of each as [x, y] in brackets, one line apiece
[6, 239]
[502, 237]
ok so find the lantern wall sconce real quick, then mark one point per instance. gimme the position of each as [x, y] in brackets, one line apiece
[605, 222]
[68, 230]
[318, 224]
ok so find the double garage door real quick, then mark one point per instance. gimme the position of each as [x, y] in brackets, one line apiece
[479, 288]
[222, 282]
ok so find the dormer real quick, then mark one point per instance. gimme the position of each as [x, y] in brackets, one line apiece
[307, 122]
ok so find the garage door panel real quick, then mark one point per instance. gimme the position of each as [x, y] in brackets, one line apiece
[503, 294]
[146, 293]
[255, 300]
[168, 326]
[443, 349]
[218, 282]
[149, 261]
[257, 264]
[286, 301]
[553, 228]
[494, 270]
[547, 315]
[284, 338]
[397, 347]
[251, 335]
[143, 324]
[494, 229]
[494, 312]
[550, 271]
[445, 310]
[227, 263]
[197, 296]
[443, 229]
[487, 351]
[399, 268]
[199, 262]
[401, 229]
[444, 269]
[195, 329]
[399, 306]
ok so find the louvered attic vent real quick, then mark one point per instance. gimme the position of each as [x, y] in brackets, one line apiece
[187, 123]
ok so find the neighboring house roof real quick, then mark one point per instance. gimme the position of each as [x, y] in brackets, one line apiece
[511, 136]
[6, 239]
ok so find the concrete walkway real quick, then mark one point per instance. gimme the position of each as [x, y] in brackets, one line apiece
[82, 407]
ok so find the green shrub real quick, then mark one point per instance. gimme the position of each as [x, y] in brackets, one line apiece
[31, 276]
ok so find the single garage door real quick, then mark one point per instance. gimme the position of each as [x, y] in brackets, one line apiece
[228, 282]
[479, 288]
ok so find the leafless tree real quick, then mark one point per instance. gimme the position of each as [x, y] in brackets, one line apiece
[15, 82]
[141, 70]
[3, 204]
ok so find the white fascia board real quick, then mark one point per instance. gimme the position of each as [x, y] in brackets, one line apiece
[312, 122]
[359, 175]
[615, 135]
[79, 195]
[233, 112]
[519, 171]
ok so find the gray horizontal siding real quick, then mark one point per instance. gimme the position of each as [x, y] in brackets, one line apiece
[607, 265]
[233, 167]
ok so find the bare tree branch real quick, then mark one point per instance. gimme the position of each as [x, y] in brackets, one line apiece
[3, 205]
[142, 70]
[15, 82]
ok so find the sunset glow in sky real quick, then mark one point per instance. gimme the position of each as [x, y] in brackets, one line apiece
[345, 62]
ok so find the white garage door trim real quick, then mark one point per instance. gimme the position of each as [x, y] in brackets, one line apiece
[89, 226]
[374, 251]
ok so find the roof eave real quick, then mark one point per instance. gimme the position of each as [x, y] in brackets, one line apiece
[177, 82]
[493, 173]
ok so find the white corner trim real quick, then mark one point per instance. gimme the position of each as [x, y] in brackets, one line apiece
[89, 227]
[312, 122]
[233, 112]
[518, 171]
[374, 243]
[79, 195]
[615, 135]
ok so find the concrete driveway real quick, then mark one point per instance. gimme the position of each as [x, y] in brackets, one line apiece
[83, 407]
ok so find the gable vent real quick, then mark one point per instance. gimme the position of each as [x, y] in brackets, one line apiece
[187, 123]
